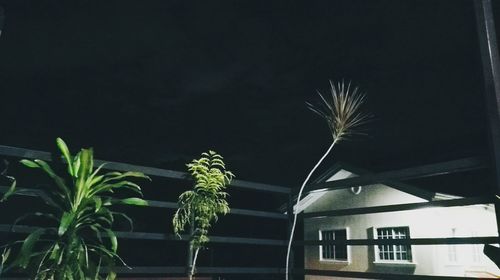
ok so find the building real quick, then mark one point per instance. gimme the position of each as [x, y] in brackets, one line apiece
[446, 260]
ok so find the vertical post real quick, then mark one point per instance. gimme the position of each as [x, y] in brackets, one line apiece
[290, 222]
[2, 19]
[491, 63]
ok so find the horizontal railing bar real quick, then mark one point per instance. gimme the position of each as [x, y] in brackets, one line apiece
[168, 205]
[273, 242]
[402, 207]
[153, 171]
[163, 236]
[262, 214]
[375, 275]
[182, 270]
[421, 171]
[179, 270]
[148, 270]
[410, 241]
[199, 270]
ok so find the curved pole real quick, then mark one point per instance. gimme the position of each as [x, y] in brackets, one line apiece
[298, 200]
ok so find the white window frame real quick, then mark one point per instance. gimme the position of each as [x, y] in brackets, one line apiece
[395, 262]
[452, 250]
[339, 261]
[476, 251]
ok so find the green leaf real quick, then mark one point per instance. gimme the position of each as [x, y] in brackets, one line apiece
[98, 203]
[111, 275]
[58, 180]
[10, 191]
[29, 163]
[66, 154]
[76, 165]
[87, 163]
[112, 176]
[132, 201]
[127, 218]
[66, 220]
[3, 258]
[26, 252]
[96, 228]
[54, 254]
[34, 214]
[112, 238]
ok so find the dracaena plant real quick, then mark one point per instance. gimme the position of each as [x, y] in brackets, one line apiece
[201, 206]
[78, 240]
[343, 115]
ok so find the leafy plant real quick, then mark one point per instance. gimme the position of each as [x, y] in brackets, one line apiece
[11, 190]
[343, 116]
[81, 240]
[3, 258]
[6, 251]
[201, 206]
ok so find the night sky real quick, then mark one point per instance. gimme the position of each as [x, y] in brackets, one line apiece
[158, 82]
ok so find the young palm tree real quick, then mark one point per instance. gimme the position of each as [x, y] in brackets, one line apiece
[201, 206]
[343, 116]
[80, 240]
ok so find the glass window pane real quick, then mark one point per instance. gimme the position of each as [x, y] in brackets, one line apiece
[394, 252]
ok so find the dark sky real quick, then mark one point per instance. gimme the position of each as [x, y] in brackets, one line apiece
[159, 82]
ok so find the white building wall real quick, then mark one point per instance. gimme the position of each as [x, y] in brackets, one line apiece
[423, 223]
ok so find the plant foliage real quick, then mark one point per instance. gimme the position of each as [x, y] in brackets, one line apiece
[79, 240]
[343, 112]
[201, 206]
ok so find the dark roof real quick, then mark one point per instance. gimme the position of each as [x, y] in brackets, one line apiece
[416, 191]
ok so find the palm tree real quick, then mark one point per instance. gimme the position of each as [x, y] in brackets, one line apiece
[343, 116]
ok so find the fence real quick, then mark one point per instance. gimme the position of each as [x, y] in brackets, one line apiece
[491, 72]
[13, 152]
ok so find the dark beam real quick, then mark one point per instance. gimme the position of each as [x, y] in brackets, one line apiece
[177, 270]
[411, 241]
[422, 171]
[199, 270]
[401, 207]
[152, 171]
[163, 236]
[165, 204]
[491, 73]
[375, 275]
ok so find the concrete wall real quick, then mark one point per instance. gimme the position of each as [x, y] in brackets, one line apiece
[424, 223]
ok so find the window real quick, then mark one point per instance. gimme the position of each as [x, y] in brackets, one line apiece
[476, 250]
[394, 253]
[334, 252]
[452, 249]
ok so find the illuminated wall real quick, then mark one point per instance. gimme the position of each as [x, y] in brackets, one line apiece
[450, 260]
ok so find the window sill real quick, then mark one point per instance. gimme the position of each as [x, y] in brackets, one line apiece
[335, 261]
[394, 263]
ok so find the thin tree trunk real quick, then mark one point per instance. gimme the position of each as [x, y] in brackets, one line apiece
[298, 200]
[190, 260]
[194, 263]
[190, 266]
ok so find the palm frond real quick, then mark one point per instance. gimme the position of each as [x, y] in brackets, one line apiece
[342, 111]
